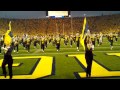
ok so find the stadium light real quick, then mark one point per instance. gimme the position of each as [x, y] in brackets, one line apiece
[84, 14]
[70, 16]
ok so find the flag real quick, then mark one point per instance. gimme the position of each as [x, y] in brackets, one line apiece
[8, 36]
[84, 31]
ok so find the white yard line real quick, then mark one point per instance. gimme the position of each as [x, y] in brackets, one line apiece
[44, 53]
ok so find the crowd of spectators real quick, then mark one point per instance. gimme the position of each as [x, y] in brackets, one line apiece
[68, 25]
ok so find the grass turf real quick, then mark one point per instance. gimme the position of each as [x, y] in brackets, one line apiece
[65, 67]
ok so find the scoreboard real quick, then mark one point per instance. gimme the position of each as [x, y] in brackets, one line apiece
[58, 13]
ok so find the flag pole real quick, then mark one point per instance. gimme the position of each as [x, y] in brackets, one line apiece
[63, 28]
[10, 25]
[71, 26]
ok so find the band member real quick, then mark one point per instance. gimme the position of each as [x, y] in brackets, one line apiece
[24, 41]
[2, 40]
[98, 36]
[58, 43]
[28, 44]
[71, 40]
[101, 38]
[66, 40]
[116, 37]
[111, 40]
[0, 45]
[77, 41]
[7, 60]
[35, 42]
[50, 39]
[53, 40]
[16, 43]
[7, 52]
[88, 55]
[93, 40]
[43, 43]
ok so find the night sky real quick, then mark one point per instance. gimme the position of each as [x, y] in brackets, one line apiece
[42, 14]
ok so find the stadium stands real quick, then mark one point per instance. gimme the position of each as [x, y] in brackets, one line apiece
[104, 24]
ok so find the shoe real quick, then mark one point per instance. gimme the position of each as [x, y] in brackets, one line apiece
[86, 75]
[5, 75]
[10, 77]
[89, 75]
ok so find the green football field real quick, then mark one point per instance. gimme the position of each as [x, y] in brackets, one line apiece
[68, 63]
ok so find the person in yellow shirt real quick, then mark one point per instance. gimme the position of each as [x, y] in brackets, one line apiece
[8, 48]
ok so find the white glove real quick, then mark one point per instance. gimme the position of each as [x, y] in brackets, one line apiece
[4, 48]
